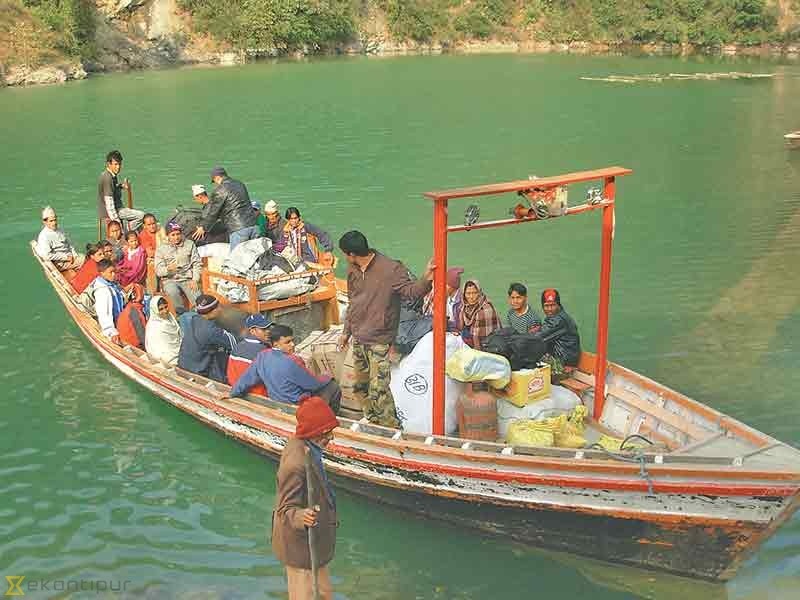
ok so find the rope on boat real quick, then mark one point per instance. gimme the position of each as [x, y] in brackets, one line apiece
[638, 458]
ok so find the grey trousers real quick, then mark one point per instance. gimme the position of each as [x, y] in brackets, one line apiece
[132, 217]
[174, 288]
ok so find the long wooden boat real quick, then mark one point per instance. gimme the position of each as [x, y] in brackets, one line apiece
[698, 506]
[792, 139]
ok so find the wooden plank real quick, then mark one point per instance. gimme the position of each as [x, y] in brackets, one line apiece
[526, 184]
[657, 412]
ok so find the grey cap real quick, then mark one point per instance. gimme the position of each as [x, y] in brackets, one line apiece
[218, 172]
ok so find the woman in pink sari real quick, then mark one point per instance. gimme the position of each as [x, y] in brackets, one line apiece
[133, 266]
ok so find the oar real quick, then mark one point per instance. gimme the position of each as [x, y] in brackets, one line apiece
[312, 534]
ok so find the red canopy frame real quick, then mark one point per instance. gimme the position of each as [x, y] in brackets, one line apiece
[441, 229]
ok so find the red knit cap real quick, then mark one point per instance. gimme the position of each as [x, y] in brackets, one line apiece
[314, 417]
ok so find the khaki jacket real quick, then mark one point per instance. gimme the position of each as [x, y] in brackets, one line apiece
[289, 535]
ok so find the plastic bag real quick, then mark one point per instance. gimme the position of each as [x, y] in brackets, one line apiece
[525, 432]
[469, 364]
[412, 387]
[613, 444]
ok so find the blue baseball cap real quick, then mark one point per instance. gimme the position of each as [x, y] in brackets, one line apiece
[255, 204]
[258, 321]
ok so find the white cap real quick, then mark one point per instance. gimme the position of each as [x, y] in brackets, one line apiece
[271, 207]
[198, 189]
[48, 213]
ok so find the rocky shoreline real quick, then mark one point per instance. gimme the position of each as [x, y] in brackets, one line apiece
[160, 54]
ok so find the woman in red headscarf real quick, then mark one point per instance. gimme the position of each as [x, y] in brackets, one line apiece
[131, 321]
[477, 318]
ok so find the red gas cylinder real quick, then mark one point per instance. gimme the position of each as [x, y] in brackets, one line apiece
[477, 414]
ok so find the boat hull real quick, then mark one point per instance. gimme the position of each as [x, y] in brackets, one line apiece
[614, 512]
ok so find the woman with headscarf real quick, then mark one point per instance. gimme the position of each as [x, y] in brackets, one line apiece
[308, 241]
[132, 321]
[133, 266]
[162, 334]
[88, 270]
[477, 317]
[454, 298]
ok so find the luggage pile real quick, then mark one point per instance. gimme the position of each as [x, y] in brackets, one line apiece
[255, 260]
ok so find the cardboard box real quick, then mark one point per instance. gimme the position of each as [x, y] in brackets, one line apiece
[527, 386]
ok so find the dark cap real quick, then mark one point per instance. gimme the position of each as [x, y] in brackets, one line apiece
[218, 172]
[257, 321]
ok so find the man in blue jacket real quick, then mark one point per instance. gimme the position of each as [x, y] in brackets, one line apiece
[285, 376]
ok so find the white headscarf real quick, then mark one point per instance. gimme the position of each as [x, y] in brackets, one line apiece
[162, 338]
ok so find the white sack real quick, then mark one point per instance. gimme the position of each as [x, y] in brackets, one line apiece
[412, 387]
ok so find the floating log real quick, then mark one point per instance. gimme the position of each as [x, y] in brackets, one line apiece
[658, 78]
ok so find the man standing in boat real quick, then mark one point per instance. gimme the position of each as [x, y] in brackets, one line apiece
[109, 195]
[375, 286]
[304, 520]
[230, 203]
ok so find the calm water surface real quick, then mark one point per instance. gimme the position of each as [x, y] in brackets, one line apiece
[101, 481]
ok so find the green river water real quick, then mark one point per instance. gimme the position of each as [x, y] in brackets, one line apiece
[102, 481]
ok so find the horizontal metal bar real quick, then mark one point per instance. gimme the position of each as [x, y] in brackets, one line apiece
[574, 210]
[526, 184]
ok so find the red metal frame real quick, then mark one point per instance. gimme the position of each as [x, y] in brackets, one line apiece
[441, 229]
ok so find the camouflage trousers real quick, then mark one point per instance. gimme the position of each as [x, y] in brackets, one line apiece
[371, 385]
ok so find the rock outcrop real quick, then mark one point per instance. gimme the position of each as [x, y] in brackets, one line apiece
[44, 75]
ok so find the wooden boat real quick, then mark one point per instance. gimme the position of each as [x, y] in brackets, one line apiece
[792, 139]
[697, 506]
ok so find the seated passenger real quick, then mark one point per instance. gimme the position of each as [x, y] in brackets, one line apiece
[132, 322]
[520, 316]
[133, 266]
[152, 235]
[271, 225]
[108, 250]
[560, 333]
[178, 265]
[284, 374]
[477, 317]
[244, 353]
[308, 241]
[54, 245]
[109, 299]
[453, 295]
[205, 346]
[114, 237]
[163, 336]
[88, 271]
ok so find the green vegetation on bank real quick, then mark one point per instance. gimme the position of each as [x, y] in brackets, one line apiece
[35, 32]
[319, 24]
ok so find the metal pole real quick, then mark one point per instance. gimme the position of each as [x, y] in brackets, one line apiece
[439, 311]
[609, 190]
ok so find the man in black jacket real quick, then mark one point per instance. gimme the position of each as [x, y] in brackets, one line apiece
[230, 203]
[559, 331]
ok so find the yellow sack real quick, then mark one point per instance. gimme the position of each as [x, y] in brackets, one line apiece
[576, 419]
[527, 432]
[468, 364]
[569, 440]
[612, 444]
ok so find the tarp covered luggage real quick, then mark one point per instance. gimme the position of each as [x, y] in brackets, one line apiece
[523, 350]
[255, 260]
[412, 387]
